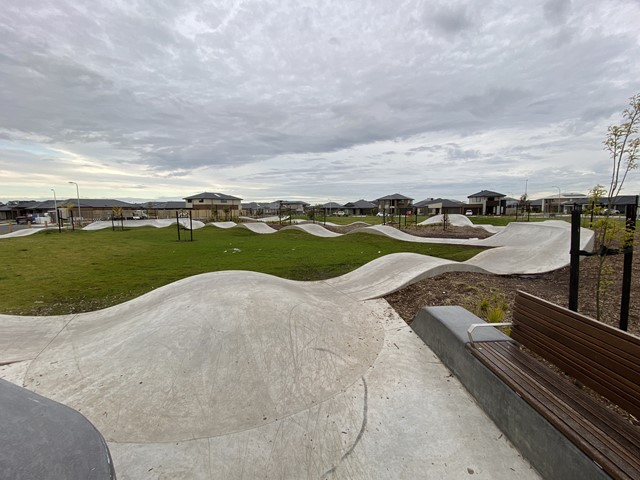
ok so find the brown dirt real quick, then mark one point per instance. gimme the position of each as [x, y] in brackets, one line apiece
[468, 289]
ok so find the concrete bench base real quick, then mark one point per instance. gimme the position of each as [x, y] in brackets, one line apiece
[444, 330]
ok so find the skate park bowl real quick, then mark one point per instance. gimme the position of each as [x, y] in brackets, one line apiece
[237, 374]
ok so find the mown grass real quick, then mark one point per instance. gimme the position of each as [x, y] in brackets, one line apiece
[57, 273]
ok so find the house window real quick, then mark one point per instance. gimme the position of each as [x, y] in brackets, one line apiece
[201, 200]
[188, 201]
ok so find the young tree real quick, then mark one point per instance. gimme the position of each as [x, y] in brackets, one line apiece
[623, 144]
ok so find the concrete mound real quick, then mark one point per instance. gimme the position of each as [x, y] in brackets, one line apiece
[224, 225]
[157, 223]
[313, 229]
[258, 227]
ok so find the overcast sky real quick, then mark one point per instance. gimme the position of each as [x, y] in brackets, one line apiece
[311, 100]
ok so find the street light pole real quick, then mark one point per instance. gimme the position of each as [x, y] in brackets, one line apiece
[78, 195]
[558, 199]
[55, 205]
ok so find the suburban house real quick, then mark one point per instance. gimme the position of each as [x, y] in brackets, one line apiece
[620, 204]
[208, 205]
[332, 208]
[359, 207]
[256, 209]
[395, 204]
[436, 206]
[169, 209]
[296, 207]
[486, 202]
[557, 204]
[90, 209]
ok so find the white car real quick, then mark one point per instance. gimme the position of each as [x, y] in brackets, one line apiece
[468, 213]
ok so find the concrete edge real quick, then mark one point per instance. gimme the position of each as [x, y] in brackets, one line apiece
[444, 330]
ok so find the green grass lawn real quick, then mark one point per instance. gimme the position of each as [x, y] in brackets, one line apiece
[56, 273]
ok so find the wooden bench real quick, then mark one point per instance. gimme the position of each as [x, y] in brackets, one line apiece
[594, 354]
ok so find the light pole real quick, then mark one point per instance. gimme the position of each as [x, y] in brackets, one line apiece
[55, 205]
[78, 195]
[558, 199]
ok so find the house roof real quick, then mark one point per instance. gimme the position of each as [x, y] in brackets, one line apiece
[292, 202]
[170, 205]
[619, 200]
[212, 196]
[395, 196]
[96, 203]
[252, 205]
[446, 202]
[332, 205]
[487, 193]
[360, 204]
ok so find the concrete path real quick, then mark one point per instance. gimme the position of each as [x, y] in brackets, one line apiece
[245, 375]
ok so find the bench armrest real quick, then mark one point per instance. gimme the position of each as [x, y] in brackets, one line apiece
[473, 326]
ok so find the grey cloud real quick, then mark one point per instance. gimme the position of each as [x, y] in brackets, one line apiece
[175, 86]
[556, 11]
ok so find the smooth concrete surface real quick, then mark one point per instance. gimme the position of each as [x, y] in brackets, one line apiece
[244, 375]
[444, 330]
[392, 272]
[459, 221]
[224, 225]
[41, 439]
[23, 231]
[313, 229]
[157, 223]
[258, 227]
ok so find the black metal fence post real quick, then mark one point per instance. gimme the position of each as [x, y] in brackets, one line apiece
[190, 225]
[625, 301]
[574, 272]
[178, 224]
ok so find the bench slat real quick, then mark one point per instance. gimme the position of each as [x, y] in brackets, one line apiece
[588, 371]
[597, 355]
[574, 329]
[562, 387]
[613, 336]
[597, 431]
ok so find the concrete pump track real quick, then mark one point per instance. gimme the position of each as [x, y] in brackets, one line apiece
[237, 374]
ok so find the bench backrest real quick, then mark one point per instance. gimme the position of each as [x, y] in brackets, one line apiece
[599, 356]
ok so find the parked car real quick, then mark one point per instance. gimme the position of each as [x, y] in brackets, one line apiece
[468, 213]
[26, 219]
[611, 211]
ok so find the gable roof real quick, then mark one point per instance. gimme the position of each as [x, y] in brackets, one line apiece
[96, 203]
[360, 204]
[332, 205]
[446, 202]
[395, 196]
[212, 196]
[170, 205]
[487, 193]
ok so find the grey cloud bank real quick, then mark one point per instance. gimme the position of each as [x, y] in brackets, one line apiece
[346, 100]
